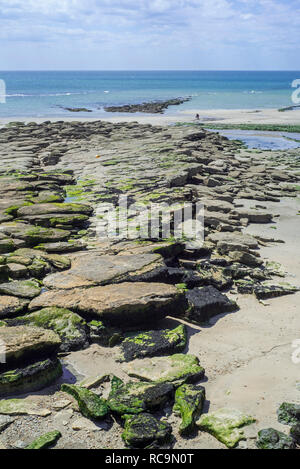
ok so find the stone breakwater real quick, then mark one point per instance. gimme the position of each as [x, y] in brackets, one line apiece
[153, 107]
[63, 289]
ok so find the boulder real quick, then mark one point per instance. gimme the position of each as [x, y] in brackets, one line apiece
[92, 269]
[245, 258]
[135, 398]
[26, 343]
[265, 291]
[11, 306]
[70, 327]
[154, 343]
[145, 431]
[189, 401]
[90, 404]
[206, 302]
[225, 425]
[289, 414]
[124, 305]
[273, 439]
[176, 369]
[30, 378]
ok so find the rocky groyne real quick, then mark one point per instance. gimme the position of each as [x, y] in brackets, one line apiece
[63, 287]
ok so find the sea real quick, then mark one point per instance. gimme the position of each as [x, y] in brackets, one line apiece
[46, 94]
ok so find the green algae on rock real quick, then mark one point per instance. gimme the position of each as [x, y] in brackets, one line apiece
[103, 335]
[45, 441]
[90, 405]
[289, 414]
[176, 369]
[145, 431]
[264, 291]
[30, 378]
[189, 401]
[135, 398]
[273, 439]
[70, 327]
[21, 288]
[154, 343]
[225, 425]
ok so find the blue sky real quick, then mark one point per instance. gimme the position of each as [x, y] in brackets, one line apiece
[150, 34]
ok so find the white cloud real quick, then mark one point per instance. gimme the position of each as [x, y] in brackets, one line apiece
[168, 26]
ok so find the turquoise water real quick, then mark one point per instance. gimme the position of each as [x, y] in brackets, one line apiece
[263, 140]
[41, 94]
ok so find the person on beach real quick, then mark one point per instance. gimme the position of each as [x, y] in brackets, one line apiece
[197, 117]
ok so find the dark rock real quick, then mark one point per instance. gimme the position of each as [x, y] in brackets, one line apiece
[30, 378]
[207, 302]
[273, 439]
[154, 343]
[289, 414]
[145, 431]
[156, 107]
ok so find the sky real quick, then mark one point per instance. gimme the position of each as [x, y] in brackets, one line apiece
[149, 34]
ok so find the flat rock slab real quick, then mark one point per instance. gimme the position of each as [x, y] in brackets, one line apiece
[22, 407]
[206, 302]
[143, 430]
[24, 343]
[123, 305]
[226, 241]
[11, 306]
[33, 235]
[20, 289]
[177, 368]
[91, 269]
[154, 343]
[225, 425]
[44, 209]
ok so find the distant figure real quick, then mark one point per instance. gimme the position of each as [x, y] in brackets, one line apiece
[197, 117]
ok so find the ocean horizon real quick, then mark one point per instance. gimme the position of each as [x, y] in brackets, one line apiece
[47, 93]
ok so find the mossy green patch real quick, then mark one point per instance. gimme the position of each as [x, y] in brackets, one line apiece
[45, 441]
[90, 404]
[189, 401]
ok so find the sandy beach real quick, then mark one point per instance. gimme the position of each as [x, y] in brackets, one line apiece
[230, 116]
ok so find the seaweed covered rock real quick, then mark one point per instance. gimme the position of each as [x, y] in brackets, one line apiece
[145, 431]
[177, 369]
[70, 327]
[33, 235]
[30, 378]
[90, 405]
[273, 439]
[104, 335]
[189, 401]
[45, 441]
[154, 343]
[264, 291]
[27, 343]
[21, 288]
[289, 414]
[295, 433]
[206, 302]
[135, 398]
[225, 425]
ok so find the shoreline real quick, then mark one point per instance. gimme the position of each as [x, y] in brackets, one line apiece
[222, 116]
